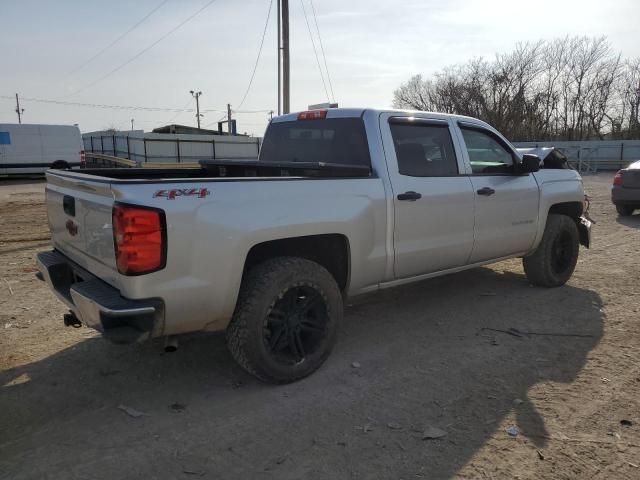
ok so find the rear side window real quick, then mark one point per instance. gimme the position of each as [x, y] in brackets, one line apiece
[424, 149]
[330, 140]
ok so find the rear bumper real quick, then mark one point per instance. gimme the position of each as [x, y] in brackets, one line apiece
[96, 303]
[625, 196]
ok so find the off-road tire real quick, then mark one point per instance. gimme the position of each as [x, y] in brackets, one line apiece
[546, 267]
[261, 287]
[624, 210]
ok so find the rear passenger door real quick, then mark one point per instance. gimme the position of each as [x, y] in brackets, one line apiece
[506, 201]
[432, 201]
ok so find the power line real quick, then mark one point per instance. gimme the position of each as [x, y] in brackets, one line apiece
[143, 51]
[254, 124]
[119, 38]
[215, 121]
[253, 73]
[184, 109]
[179, 113]
[224, 117]
[315, 51]
[99, 105]
[255, 67]
[246, 111]
[315, 19]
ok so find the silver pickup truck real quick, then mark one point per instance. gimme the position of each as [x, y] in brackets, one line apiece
[340, 203]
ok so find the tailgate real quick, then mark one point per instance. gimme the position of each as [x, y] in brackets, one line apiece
[79, 211]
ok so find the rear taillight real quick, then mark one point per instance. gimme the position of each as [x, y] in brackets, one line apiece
[83, 159]
[312, 115]
[139, 236]
[617, 180]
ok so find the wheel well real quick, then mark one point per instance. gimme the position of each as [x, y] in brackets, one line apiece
[570, 209]
[330, 250]
[60, 164]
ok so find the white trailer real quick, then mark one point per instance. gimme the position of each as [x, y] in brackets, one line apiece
[29, 149]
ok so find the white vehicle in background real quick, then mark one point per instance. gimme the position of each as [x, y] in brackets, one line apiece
[29, 149]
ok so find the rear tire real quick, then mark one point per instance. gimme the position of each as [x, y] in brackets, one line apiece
[624, 210]
[286, 319]
[554, 261]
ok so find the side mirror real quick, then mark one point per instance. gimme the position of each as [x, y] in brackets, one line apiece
[530, 163]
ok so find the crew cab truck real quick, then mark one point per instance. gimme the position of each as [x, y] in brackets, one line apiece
[341, 202]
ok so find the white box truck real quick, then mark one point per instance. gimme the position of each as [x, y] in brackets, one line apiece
[29, 149]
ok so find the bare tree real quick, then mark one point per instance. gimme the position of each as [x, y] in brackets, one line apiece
[413, 95]
[627, 121]
[111, 128]
[568, 88]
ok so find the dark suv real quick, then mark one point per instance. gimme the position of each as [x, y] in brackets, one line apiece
[625, 193]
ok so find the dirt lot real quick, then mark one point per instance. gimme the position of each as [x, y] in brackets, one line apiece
[425, 362]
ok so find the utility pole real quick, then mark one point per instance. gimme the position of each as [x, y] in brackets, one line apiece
[638, 106]
[132, 124]
[285, 58]
[279, 61]
[196, 95]
[230, 122]
[19, 110]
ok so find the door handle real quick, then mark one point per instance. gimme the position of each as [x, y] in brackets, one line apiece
[411, 196]
[486, 191]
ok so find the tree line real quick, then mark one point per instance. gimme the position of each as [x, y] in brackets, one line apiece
[572, 88]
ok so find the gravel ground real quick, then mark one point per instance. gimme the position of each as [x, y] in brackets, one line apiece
[415, 361]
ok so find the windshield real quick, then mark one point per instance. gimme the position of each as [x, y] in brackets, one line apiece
[329, 140]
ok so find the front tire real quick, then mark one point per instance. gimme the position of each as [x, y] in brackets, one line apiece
[554, 261]
[286, 319]
[624, 210]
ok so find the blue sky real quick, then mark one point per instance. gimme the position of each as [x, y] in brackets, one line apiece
[371, 46]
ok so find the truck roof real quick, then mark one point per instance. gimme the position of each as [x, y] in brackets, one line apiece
[358, 112]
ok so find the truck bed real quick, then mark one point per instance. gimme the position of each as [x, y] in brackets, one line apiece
[214, 215]
[234, 169]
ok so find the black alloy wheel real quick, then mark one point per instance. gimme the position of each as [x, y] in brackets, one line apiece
[296, 325]
[562, 253]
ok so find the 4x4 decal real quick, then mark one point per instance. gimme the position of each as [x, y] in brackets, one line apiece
[182, 192]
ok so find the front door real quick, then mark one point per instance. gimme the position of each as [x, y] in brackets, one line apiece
[433, 203]
[506, 203]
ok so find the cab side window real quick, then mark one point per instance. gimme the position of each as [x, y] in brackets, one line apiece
[423, 149]
[487, 154]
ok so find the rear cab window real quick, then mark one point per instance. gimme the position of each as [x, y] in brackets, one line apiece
[330, 140]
